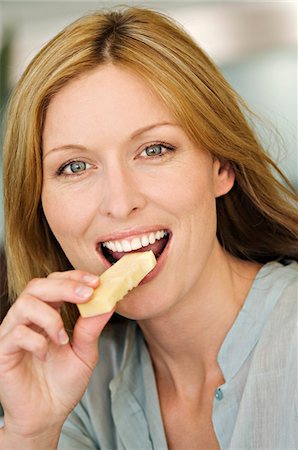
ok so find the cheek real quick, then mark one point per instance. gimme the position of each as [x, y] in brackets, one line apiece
[66, 216]
[194, 206]
[190, 194]
[69, 221]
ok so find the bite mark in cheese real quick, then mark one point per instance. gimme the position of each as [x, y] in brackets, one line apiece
[117, 281]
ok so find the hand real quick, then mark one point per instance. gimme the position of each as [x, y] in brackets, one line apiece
[42, 375]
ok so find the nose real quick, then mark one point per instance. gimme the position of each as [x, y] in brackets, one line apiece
[121, 193]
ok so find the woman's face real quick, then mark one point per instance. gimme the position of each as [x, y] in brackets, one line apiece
[120, 173]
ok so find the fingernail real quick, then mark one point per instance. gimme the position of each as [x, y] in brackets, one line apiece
[84, 291]
[63, 337]
[90, 278]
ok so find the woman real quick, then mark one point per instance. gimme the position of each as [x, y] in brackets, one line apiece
[120, 133]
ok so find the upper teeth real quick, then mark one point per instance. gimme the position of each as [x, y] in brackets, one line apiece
[135, 243]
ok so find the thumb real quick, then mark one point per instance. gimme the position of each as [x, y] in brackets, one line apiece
[85, 337]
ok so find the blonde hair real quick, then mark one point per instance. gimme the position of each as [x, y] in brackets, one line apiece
[257, 220]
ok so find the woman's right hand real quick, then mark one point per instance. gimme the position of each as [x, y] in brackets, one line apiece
[42, 375]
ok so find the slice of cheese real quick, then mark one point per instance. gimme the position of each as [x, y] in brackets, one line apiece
[117, 281]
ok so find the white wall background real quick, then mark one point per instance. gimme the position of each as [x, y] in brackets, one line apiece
[255, 44]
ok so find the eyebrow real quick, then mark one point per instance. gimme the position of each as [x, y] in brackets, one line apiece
[150, 127]
[135, 134]
[65, 147]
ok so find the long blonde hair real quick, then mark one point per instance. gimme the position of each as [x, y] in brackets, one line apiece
[257, 220]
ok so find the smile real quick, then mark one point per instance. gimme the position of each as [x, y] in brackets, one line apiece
[156, 241]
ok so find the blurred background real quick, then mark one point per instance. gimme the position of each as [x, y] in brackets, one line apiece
[254, 43]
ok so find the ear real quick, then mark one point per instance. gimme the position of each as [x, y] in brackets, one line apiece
[223, 176]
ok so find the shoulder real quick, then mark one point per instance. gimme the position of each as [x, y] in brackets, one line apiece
[283, 286]
[278, 340]
[275, 287]
[268, 378]
[267, 325]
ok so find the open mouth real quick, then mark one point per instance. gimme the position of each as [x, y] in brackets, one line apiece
[155, 241]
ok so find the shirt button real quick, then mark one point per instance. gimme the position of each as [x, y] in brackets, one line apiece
[218, 394]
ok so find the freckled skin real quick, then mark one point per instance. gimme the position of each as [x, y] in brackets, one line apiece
[122, 187]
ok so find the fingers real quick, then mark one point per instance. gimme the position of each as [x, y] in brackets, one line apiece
[33, 319]
[77, 275]
[85, 337]
[74, 288]
[23, 338]
[28, 311]
[32, 307]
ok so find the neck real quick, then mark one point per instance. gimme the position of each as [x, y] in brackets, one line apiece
[185, 341]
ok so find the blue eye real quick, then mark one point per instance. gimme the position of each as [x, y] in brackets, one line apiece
[157, 150]
[73, 168]
[77, 166]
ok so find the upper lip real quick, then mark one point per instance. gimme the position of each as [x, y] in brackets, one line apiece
[130, 233]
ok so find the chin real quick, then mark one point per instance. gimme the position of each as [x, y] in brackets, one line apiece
[143, 303]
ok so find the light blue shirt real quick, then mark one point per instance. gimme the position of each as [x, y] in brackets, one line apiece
[255, 409]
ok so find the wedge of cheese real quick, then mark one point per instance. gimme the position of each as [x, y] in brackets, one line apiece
[117, 281]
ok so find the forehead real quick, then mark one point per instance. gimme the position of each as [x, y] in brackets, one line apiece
[108, 98]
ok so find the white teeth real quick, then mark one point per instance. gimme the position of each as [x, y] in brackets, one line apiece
[118, 246]
[112, 246]
[151, 238]
[136, 243]
[145, 241]
[126, 246]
